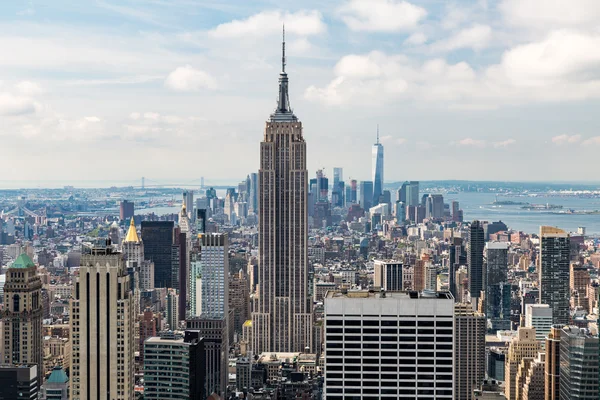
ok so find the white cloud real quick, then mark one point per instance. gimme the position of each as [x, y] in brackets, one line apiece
[11, 105]
[416, 39]
[381, 15]
[566, 139]
[302, 23]
[385, 138]
[422, 145]
[504, 143]
[400, 141]
[551, 13]
[28, 88]
[299, 46]
[591, 141]
[477, 37]
[189, 79]
[470, 142]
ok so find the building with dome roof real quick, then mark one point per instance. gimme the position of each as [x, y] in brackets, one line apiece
[56, 386]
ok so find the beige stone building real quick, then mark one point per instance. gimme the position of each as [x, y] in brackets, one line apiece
[22, 315]
[523, 346]
[102, 327]
[533, 387]
[552, 365]
[469, 347]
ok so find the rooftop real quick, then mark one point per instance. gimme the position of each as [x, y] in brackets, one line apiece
[23, 261]
[363, 294]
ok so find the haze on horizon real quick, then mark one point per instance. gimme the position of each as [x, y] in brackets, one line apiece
[482, 90]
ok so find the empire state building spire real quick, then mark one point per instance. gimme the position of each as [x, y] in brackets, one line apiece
[283, 112]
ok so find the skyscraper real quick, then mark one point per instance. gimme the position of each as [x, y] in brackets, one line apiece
[498, 290]
[282, 317]
[366, 194]
[337, 194]
[578, 364]
[554, 272]
[524, 345]
[102, 334]
[552, 367]
[253, 193]
[402, 342]
[469, 354]
[22, 315]
[188, 201]
[412, 194]
[158, 248]
[475, 259]
[126, 210]
[377, 170]
[388, 275]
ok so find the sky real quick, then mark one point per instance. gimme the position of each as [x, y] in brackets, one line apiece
[177, 89]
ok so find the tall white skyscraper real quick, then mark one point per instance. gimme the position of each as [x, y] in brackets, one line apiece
[282, 317]
[102, 322]
[390, 345]
[377, 170]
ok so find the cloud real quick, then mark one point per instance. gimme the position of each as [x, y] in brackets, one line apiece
[385, 138]
[302, 23]
[28, 88]
[189, 79]
[543, 13]
[504, 143]
[12, 105]
[566, 139]
[381, 15]
[477, 37]
[422, 145]
[591, 141]
[470, 142]
[400, 141]
[416, 39]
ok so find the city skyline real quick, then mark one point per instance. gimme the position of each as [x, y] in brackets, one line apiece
[469, 81]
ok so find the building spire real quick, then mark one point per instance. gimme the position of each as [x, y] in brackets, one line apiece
[377, 133]
[283, 51]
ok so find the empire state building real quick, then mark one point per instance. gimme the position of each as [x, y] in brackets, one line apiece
[282, 317]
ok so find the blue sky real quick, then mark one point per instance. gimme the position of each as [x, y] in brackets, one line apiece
[483, 90]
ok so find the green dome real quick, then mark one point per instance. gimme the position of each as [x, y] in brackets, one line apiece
[58, 376]
[23, 261]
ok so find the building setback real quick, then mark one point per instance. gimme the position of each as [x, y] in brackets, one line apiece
[389, 345]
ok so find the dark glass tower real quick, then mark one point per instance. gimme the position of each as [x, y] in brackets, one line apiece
[158, 248]
[475, 258]
[554, 272]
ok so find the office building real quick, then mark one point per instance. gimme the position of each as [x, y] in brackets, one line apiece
[282, 317]
[552, 367]
[188, 202]
[469, 350]
[578, 364]
[56, 387]
[554, 272]
[216, 352]
[377, 171]
[498, 290]
[578, 283]
[389, 345]
[388, 275]
[239, 303]
[337, 194]
[102, 327]
[209, 274]
[22, 315]
[133, 249]
[533, 379]
[434, 206]
[539, 316]
[174, 367]
[524, 345]
[412, 194]
[366, 194]
[475, 259]
[172, 310]
[352, 195]
[19, 382]
[158, 237]
[126, 210]
[253, 193]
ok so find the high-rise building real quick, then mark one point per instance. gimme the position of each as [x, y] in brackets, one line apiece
[377, 170]
[22, 315]
[239, 300]
[188, 201]
[133, 249]
[126, 210]
[469, 350]
[366, 194]
[475, 259]
[216, 352]
[533, 379]
[147, 329]
[401, 342]
[253, 193]
[172, 310]
[524, 345]
[158, 237]
[412, 194]
[434, 208]
[282, 317]
[498, 290]
[174, 367]
[102, 327]
[56, 387]
[337, 194]
[578, 364]
[578, 283]
[539, 316]
[19, 382]
[552, 367]
[554, 272]
[388, 275]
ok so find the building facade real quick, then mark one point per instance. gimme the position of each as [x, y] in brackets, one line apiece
[475, 259]
[102, 327]
[282, 317]
[388, 275]
[377, 170]
[554, 272]
[524, 345]
[389, 345]
[158, 248]
[469, 350]
[578, 364]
